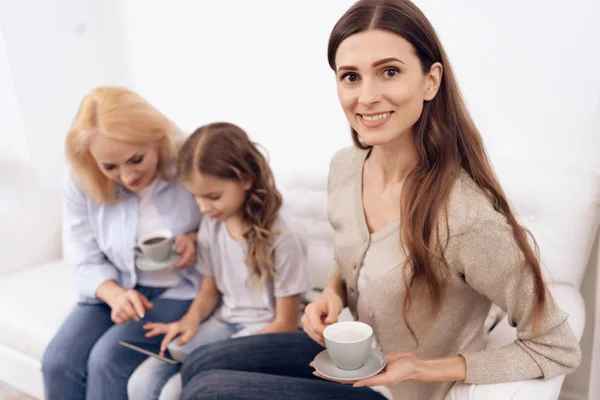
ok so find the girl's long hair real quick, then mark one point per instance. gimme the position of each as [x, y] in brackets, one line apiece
[225, 151]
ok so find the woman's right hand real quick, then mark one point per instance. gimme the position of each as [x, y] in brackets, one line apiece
[129, 305]
[186, 327]
[320, 313]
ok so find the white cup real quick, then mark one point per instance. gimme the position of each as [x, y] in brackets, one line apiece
[157, 245]
[348, 343]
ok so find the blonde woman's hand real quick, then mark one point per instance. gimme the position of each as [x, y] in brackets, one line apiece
[129, 305]
[186, 327]
[185, 246]
[320, 313]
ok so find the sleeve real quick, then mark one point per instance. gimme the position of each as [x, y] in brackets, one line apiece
[203, 252]
[291, 274]
[493, 265]
[91, 267]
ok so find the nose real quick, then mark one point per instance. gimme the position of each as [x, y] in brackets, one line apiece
[128, 174]
[370, 93]
[202, 205]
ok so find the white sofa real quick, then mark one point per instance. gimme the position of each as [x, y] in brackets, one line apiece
[559, 206]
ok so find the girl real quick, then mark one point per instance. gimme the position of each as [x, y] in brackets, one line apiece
[122, 158]
[425, 239]
[249, 258]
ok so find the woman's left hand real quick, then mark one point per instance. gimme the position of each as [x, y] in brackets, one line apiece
[186, 247]
[399, 367]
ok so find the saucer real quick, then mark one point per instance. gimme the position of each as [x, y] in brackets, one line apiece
[146, 264]
[374, 364]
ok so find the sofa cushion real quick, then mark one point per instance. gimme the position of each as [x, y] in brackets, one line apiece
[34, 302]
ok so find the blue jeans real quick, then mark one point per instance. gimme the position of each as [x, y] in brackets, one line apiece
[157, 380]
[273, 366]
[85, 360]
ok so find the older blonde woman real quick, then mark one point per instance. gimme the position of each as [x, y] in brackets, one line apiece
[120, 185]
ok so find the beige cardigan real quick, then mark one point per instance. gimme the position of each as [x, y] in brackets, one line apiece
[486, 267]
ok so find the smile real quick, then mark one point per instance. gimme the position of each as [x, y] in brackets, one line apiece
[375, 120]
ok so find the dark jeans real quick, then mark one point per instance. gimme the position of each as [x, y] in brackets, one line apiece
[85, 360]
[273, 366]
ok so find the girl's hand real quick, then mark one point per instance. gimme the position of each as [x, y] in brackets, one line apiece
[320, 313]
[186, 247]
[399, 368]
[186, 327]
[129, 305]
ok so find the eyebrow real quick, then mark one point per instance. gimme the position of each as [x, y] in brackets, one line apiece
[209, 194]
[374, 65]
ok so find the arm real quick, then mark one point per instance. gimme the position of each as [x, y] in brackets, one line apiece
[550, 351]
[92, 269]
[286, 315]
[205, 302]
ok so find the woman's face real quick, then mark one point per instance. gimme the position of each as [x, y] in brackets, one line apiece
[381, 85]
[131, 165]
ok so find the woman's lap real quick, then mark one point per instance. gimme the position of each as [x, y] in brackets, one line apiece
[85, 360]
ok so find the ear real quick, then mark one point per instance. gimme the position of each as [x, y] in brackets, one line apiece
[433, 80]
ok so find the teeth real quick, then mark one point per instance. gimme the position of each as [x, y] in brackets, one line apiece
[375, 117]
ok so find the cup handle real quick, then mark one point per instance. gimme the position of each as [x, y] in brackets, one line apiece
[138, 251]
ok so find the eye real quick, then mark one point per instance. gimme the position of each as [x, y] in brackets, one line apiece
[391, 72]
[213, 198]
[109, 167]
[137, 159]
[350, 77]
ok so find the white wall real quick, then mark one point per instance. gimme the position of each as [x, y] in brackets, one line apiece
[530, 72]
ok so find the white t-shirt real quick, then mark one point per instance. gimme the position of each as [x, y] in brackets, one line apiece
[149, 220]
[221, 257]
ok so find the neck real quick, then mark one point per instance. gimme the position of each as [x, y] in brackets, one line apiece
[394, 160]
[236, 227]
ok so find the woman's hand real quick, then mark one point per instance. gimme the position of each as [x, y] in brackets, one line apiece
[186, 327]
[185, 245]
[129, 305]
[320, 313]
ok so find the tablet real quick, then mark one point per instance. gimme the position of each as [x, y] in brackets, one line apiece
[151, 351]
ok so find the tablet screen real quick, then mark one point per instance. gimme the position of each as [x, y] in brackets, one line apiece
[150, 350]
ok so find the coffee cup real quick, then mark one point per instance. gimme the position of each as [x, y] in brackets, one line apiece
[157, 245]
[348, 343]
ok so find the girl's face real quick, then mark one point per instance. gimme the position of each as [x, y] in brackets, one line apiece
[131, 165]
[381, 85]
[218, 198]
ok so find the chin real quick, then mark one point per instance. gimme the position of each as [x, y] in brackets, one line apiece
[374, 138]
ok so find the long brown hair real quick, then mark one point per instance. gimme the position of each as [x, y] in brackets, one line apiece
[225, 151]
[447, 142]
[120, 114]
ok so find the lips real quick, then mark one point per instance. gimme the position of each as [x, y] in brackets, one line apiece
[374, 120]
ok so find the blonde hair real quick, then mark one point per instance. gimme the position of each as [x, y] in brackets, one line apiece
[120, 114]
[225, 151]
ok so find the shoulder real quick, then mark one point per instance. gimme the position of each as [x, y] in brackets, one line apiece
[345, 164]
[469, 208]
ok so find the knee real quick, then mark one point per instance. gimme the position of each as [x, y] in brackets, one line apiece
[208, 385]
[137, 385]
[201, 360]
[103, 357]
[57, 359]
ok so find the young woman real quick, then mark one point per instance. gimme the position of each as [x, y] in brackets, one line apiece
[425, 240]
[249, 258]
[120, 186]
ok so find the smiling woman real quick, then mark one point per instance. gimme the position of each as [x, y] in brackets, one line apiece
[119, 189]
[117, 138]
